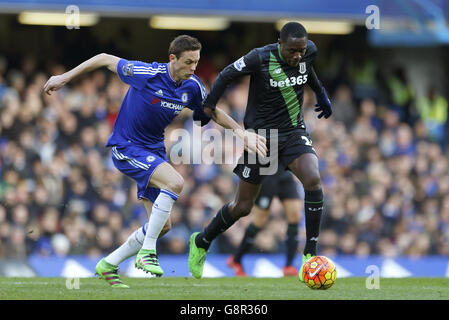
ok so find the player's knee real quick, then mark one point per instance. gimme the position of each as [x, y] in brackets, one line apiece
[294, 219]
[312, 182]
[242, 209]
[176, 184]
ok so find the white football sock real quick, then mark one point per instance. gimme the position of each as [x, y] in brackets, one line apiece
[159, 215]
[128, 249]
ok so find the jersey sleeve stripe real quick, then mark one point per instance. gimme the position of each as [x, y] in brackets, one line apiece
[148, 68]
[203, 90]
[153, 68]
[150, 73]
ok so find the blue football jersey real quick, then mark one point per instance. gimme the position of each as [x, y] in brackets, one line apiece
[153, 100]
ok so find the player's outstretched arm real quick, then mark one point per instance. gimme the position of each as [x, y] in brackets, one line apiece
[323, 105]
[98, 61]
[253, 142]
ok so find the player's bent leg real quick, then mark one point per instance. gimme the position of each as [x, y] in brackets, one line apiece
[305, 167]
[259, 216]
[166, 228]
[199, 242]
[129, 248]
[147, 260]
[170, 183]
[259, 219]
[166, 177]
[149, 205]
[292, 210]
[293, 213]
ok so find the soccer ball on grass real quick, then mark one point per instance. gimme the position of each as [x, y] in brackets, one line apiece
[319, 272]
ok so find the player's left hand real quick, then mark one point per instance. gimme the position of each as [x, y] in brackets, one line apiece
[323, 105]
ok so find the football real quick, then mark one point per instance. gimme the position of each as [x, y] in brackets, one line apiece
[319, 272]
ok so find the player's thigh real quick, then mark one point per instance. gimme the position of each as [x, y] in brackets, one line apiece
[259, 216]
[292, 209]
[148, 206]
[166, 177]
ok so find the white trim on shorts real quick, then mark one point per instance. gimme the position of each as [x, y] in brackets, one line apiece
[131, 161]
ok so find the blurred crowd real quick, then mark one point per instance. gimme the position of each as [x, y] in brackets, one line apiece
[383, 160]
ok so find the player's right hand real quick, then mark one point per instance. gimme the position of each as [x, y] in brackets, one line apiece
[55, 83]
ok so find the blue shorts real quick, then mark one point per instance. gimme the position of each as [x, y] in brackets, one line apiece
[139, 164]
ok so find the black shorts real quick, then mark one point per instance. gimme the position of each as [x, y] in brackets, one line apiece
[252, 169]
[281, 185]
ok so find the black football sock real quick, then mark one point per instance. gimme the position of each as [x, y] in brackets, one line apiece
[219, 224]
[292, 242]
[313, 205]
[247, 242]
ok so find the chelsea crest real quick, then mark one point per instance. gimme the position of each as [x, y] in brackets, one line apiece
[184, 97]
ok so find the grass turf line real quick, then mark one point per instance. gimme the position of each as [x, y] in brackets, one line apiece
[172, 288]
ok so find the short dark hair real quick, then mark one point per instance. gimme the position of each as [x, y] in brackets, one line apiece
[292, 29]
[183, 43]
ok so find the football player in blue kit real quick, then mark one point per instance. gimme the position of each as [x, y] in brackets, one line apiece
[158, 92]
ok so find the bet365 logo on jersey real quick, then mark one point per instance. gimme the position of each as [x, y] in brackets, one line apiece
[288, 82]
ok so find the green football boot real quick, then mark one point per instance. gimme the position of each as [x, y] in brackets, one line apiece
[305, 258]
[197, 257]
[109, 273]
[147, 261]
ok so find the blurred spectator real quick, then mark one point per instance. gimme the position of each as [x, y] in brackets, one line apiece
[433, 110]
[363, 76]
[15, 246]
[343, 106]
[401, 94]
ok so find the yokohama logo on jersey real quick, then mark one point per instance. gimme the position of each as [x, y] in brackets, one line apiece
[173, 106]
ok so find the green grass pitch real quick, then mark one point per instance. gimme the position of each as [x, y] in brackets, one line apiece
[172, 288]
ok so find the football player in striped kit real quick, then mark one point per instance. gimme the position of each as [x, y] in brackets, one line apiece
[278, 74]
[157, 93]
